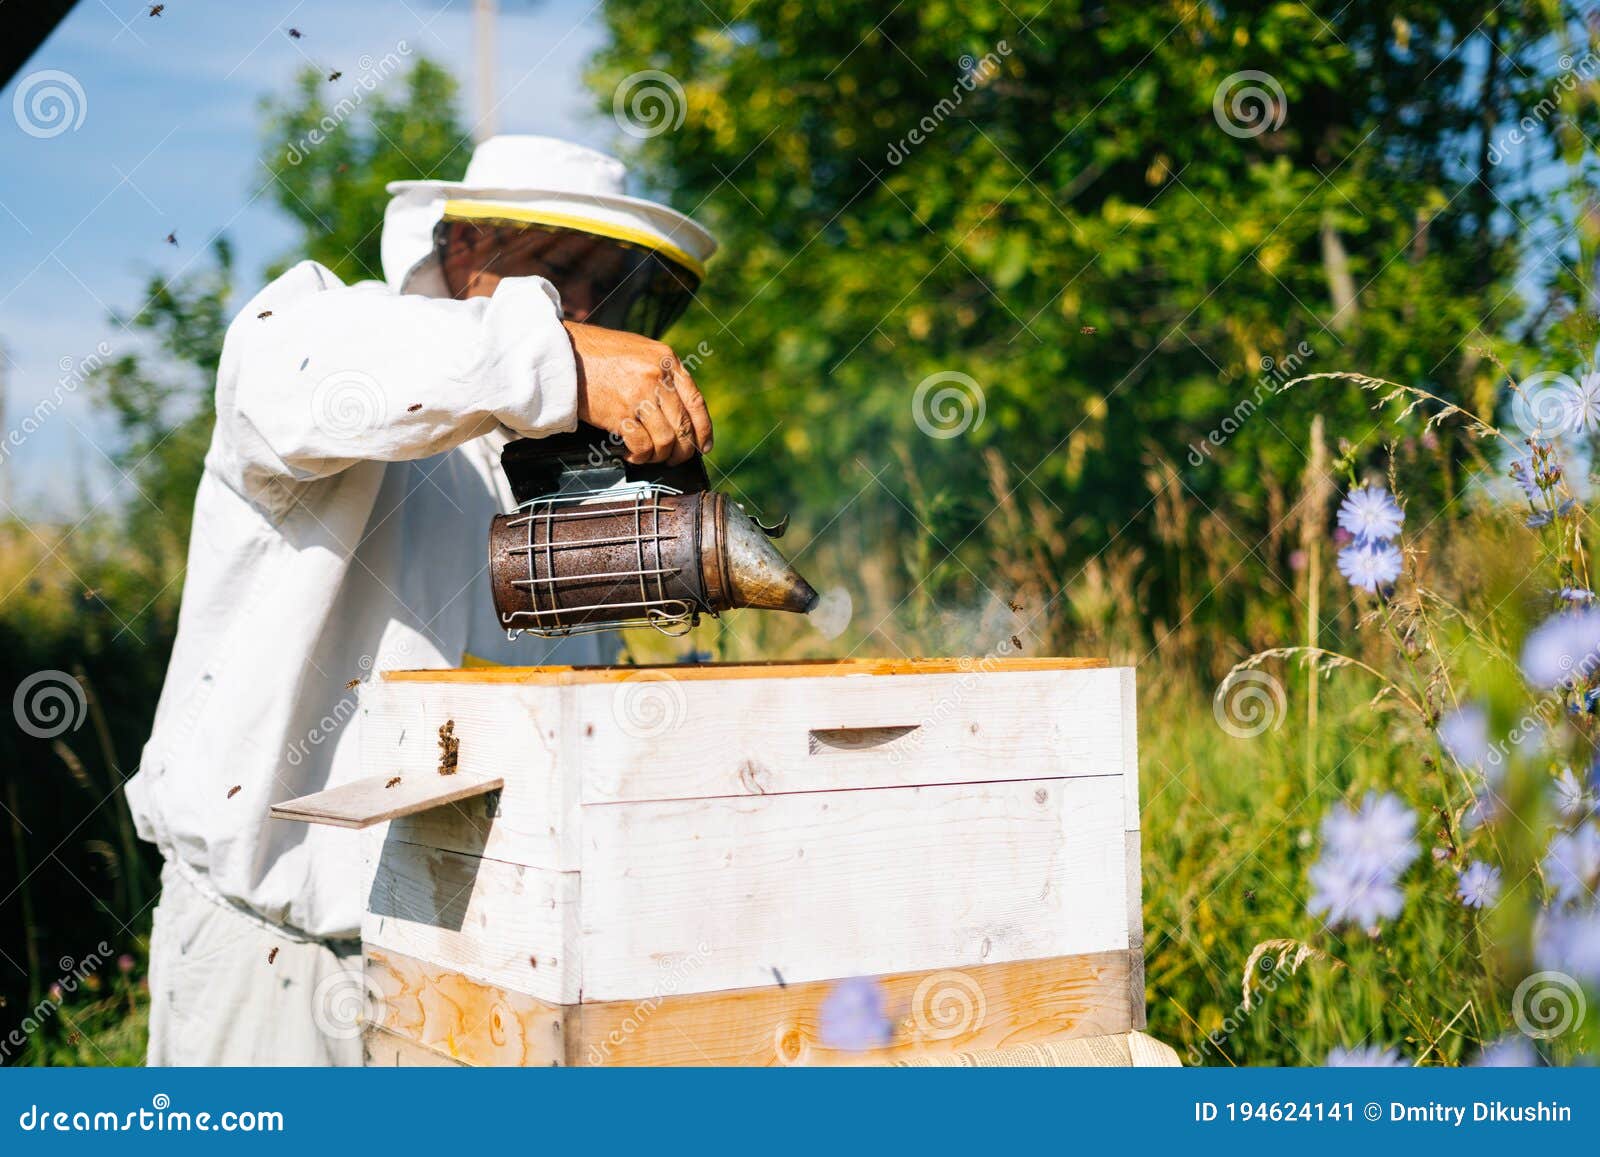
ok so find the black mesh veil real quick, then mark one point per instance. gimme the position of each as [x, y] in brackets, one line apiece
[602, 280]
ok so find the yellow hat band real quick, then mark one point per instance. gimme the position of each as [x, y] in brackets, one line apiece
[521, 214]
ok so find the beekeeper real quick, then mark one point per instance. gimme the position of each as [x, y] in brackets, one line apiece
[339, 529]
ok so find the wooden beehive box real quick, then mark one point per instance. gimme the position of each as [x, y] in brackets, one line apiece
[682, 862]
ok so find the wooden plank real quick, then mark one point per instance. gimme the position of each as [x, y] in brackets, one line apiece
[829, 884]
[386, 1050]
[930, 1013]
[507, 924]
[1130, 739]
[777, 669]
[451, 1019]
[1135, 888]
[1135, 895]
[510, 731]
[466, 1020]
[383, 797]
[656, 737]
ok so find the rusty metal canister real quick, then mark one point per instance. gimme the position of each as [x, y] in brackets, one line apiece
[645, 556]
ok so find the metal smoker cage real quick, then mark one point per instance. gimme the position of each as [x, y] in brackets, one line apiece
[596, 560]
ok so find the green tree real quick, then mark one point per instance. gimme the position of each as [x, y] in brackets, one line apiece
[332, 156]
[1118, 220]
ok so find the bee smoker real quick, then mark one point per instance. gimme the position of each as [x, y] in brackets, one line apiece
[597, 543]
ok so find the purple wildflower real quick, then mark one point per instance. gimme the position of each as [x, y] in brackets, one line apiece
[1572, 864]
[125, 964]
[1583, 405]
[1479, 885]
[1464, 735]
[1570, 943]
[1364, 854]
[1370, 565]
[1509, 1052]
[1371, 514]
[1365, 1057]
[1576, 595]
[852, 1016]
[1345, 893]
[1377, 835]
[1573, 797]
[1522, 471]
[1562, 646]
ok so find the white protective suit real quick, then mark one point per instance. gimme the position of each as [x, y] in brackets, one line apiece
[339, 529]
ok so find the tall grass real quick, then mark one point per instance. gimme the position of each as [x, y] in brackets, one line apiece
[76, 885]
[1238, 970]
[1230, 825]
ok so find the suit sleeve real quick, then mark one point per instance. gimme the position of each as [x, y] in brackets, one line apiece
[317, 375]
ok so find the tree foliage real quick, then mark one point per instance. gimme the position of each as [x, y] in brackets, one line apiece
[1080, 233]
[333, 151]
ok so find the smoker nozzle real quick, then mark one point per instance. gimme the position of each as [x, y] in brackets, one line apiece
[741, 566]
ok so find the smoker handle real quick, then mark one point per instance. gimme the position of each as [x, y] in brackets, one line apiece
[825, 739]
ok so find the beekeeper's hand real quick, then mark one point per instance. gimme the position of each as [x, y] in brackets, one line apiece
[637, 389]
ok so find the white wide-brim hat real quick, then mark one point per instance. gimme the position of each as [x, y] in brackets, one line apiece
[537, 181]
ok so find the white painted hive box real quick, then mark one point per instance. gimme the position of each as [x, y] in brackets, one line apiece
[684, 860]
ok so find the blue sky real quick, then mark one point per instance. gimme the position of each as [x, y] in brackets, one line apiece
[168, 141]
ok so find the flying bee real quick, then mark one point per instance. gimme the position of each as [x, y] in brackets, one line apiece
[1016, 642]
[413, 407]
[235, 790]
[294, 34]
[1088, 330]
[352, 685]
[334, 75]
[392, 782]
[172, 239]
[264, 313]
[157, 9]
[271, 956]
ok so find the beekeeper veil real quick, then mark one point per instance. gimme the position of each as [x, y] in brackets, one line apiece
[550, 206]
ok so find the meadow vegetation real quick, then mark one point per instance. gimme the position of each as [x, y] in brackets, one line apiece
[1125, 288]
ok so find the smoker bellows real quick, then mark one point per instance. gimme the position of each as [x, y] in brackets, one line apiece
[597, 543]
